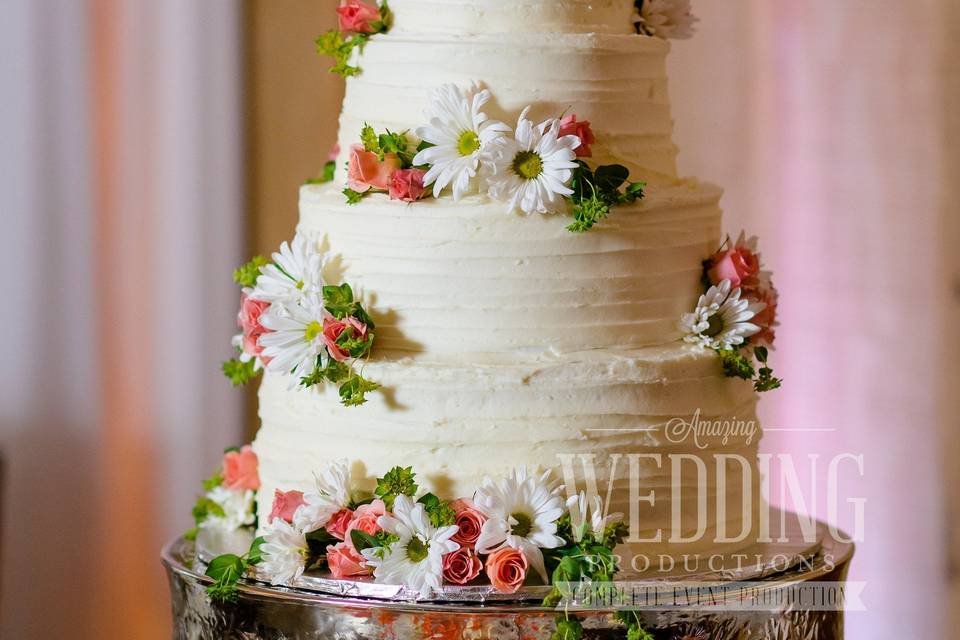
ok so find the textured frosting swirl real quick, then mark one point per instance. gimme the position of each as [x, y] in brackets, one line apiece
[468, 278]
[618, 82]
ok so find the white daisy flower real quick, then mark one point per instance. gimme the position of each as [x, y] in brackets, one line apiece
[416, 559]
[295, 273]
[522, 513]
[283, 552]
[588, 516]
[295, 339]
[721, 319]
[461, 135]
[237, 509]
[532, 169]
[665, 19]
[332, 495]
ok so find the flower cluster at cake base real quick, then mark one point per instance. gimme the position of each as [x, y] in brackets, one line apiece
[295, 324]
[356, 22]
[515, 531]
[737, 314]
[533, 168]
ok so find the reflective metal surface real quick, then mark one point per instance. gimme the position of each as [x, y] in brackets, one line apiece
[269, 613]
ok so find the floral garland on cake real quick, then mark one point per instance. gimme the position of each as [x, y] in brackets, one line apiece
[357, 21]
[535, 168]
[508, 533]
[737, 313]
[295, 324]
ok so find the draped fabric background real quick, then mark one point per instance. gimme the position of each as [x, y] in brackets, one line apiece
[834, 129]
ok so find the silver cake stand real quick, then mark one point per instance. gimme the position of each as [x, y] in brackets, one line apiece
[319, 607]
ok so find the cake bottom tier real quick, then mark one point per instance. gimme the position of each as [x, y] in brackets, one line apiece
[658, 433]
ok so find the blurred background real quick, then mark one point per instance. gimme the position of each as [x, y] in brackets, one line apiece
[149, 147]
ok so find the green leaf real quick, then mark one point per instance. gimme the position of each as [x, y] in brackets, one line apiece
[608, 178]
[736, 364]
[254, 555]
[246, 275]
[354, 391]
[226, 571]
[424, 145]
[567, 629]
[213, 482]
[353, 197]
[391, 142]
[338, 300]
[634, 191]
[361, 314]
[319, 540]
[761, 354]
[440, 512]
[329, 169]
[362, 540]
[369, 139]
[587, 213]
[191, 533]
[238, 372]
[396, 482]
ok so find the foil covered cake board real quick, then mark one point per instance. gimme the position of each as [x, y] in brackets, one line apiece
[265, 612]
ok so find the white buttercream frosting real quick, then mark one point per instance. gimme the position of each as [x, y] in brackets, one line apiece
[467, 278]
[617, 82]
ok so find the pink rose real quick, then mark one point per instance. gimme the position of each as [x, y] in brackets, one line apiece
[332, 330]
[356, 16]
[407, 184]
[365, 519]
[738, 264]
[461, 566]
[249, 321]
[285, 504]
[469, 520]
[570, 127]
[507, 569]
[344, 562]
[334, 152]
[366, 171]
[240, 469]
[767, 318]
[337, 526]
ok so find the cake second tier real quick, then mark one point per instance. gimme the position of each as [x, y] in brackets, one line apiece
[469, 279]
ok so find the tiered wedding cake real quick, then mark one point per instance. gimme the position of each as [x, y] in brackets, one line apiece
[504, 339]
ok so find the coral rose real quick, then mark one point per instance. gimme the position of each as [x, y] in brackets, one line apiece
[366, 171]
[355, 16]
[332, 330]
[249, 321]
[344, 562]
[365, 519]
[507, 569]
[739, 265]
[337, 526]
[285, 504]
[461, 566]
[407, 184]
[469, 520]
[240, 470]
[570, 127]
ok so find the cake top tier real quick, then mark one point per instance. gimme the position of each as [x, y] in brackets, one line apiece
[513, 16]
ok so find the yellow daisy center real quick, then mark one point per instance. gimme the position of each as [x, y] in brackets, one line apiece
[468, 143]
[528, 165]
[313, 330]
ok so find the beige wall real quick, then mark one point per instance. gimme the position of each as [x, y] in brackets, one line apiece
[293, 106]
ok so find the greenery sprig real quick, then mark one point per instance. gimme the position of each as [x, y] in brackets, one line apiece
[227, 569]
[587, 557]
[739, 363]
[340, 47]
[399, 481]
[204, 506]
[329, 169]
[595, 192]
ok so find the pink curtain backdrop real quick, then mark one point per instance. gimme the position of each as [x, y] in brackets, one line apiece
[826, 126]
